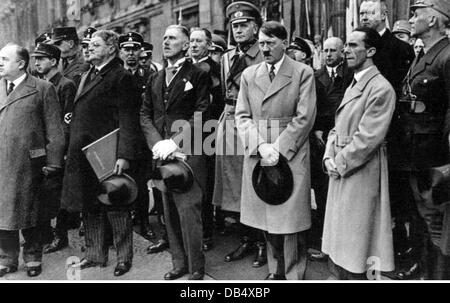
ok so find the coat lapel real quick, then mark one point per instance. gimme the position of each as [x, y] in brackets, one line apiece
[282, 78]
[25, 89]
[178, 83]
[356, 91]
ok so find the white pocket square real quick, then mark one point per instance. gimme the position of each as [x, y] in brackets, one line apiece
[188, 86]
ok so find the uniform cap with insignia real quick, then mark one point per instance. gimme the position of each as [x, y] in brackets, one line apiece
[218, 43]
[301, 45]
[131, 39]
[43, 38]
[402, 26]
[46, 50]
[147, 49]
[242, 11]
[441, 6]
[87, 35]
[64, 33]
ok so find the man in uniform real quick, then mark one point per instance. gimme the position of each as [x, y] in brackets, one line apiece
[299, 50]
[130, 49]
[245, 20]
[402, 30]
[423, 125]
[73, 64]
[146, 58]
[46, 61]
[87, 35]
[393, 61]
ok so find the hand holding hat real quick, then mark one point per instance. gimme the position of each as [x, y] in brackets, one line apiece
[164, 148]
[269, 154]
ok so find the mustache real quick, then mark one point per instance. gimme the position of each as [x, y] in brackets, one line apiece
[266, 53]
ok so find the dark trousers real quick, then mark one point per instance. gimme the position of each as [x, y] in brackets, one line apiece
[342, 274]
[207, 206]
[286, 255]
[97, 246]
[140, 172]
[182, 213]
[10, 246]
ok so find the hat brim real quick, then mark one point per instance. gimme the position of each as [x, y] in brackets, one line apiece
[133, 192]
[39, 54]
[130, 44]
[242, 20]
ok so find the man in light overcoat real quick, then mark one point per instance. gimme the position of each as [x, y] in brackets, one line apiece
[281, 92]
[357, 228]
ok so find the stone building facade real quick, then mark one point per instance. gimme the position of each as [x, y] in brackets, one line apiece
[23, 20]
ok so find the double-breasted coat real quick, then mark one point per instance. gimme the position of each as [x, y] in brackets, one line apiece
[357, 217]
[31, 137]
[229, 158]
[281, 112]
[110, 101]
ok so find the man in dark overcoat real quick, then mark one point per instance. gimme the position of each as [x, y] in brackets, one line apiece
[107, 99]
[173, 97]
[31, 148]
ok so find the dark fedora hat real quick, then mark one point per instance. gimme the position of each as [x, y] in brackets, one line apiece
[273, 184]
[174, 176]
[118, 190]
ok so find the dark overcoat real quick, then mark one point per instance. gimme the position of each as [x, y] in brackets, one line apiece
[31, 137]
[109, 101]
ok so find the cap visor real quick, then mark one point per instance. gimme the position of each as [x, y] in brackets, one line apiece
[53, 41]
[130, 44]
[241, 20]
[40, 55]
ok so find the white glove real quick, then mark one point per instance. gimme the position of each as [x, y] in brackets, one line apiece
[164, 148]
[269, 154]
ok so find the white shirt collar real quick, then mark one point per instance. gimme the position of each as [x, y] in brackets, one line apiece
[18, 81]
[201, 60]
[277, 65]
[177, 64]
[382, 32]
[360, 74]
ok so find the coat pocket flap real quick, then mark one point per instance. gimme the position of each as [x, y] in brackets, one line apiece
[36, 153]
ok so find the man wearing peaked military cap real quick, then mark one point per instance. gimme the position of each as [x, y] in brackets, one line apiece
[299, 49]
[242, 11]
[47, 57]
[87, 35]
[130, 50]
[441, 6]
[43, 38]
[245, 21]
[402, 30]
[73, 64]
[426, 98]
[131, 39]
[146, 58]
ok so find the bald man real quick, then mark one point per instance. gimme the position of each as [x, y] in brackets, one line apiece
[331, 83]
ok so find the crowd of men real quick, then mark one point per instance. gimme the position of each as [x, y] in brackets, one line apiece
[364, 124]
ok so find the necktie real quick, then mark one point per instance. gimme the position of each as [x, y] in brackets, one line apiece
[10, 88]
[333, 75]
[170, 73]
[272, 73]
